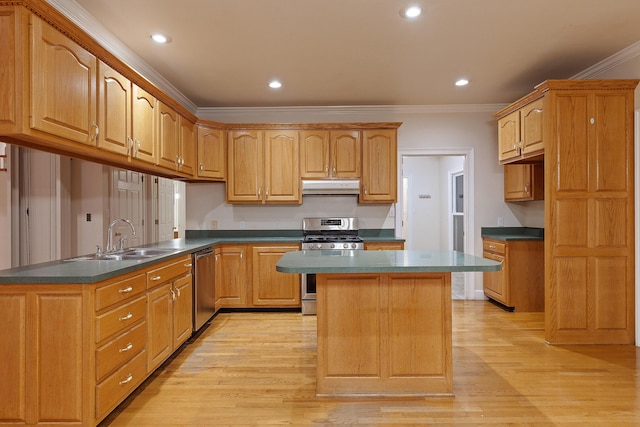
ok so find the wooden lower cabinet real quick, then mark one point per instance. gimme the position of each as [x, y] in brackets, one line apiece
[384, 246]
[384, 334]
[71, 353]
[170, 309]
[231, 276]
[246, 277]
[520, 283]
[271, 288]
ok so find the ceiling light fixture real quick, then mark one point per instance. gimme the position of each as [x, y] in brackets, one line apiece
[411, 12]
[275, 84]
[160, 38]
[462, 82]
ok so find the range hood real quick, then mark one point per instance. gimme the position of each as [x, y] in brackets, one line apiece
[331, 186]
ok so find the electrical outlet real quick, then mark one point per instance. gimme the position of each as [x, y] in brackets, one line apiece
[214, 224]
[500, 222]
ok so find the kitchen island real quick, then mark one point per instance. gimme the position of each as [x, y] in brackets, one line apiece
[384, 319]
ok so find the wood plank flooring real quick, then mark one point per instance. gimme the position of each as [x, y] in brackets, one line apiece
[249, 369]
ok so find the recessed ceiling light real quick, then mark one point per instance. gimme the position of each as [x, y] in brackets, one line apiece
[411, 12]
[275, 84]
[462, 82]
[160, 38]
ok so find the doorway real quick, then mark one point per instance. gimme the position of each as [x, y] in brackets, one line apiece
[436, 204]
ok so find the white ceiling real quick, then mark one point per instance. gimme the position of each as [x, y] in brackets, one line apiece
[361, 52]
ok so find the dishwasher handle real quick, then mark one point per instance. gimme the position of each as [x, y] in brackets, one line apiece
[203, 254]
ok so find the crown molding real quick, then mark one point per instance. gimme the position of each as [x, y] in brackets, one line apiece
[611, 62]
[90, 25]
[219, 113]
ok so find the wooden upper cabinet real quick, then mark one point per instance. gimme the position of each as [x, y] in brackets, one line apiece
[176, 141]
[379, 166]
[531, 127]
[244, 183]
[187, 147]
[281, 167]
[263, 167]
[168, 137]
[523, 182]
[314, 154]
[114, 110]
[345, 154]
[143, 130]
[63, 85]
[211, 153]
[520, 133]
[330, 154]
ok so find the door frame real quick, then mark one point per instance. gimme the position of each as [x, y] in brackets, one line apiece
[470, 290]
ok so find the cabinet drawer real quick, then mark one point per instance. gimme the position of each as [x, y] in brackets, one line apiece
[493, 246]
[169, 271]
[116, 387]
[121, 349]
[120, 291]
[120, 318]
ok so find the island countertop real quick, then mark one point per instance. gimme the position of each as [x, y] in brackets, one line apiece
[390, 261]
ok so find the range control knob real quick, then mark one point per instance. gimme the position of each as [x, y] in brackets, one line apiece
[319, 245]
[353, 245]
[346, 246]
[333, 245]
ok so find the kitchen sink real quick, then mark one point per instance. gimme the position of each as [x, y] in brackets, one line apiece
[131, 254]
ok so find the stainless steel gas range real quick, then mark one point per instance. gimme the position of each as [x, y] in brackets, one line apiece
[334, 233]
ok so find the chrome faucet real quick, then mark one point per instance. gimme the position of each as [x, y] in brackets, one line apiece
[110, 247]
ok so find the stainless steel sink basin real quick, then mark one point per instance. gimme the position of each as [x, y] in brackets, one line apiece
[128, 254]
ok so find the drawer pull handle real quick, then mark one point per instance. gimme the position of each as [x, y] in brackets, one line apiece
[126, 348]
[126, 290]
[173, 294]
[127, 317]
[188, 265]
[492, 246]
[126, 380]
[156, 278]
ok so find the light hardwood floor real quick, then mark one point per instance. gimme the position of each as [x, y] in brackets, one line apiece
[259, 368]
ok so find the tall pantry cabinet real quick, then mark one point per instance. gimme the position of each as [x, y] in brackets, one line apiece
[587, 149]
[589, 211]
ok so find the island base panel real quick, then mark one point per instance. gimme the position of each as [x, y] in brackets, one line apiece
[384, 334]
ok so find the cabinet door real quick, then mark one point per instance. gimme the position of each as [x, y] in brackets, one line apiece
[160, 324]
[345, 154]
[211, 153]
[517, 181]
[143, 128]
[523, 182]
[270, 287]
[314, 154]
[244, 183]
[187, 152]
[182, 310]
[63, 85]
[590, 250]
[168, 137]
[495, 282]
[231, 282]
[509, 136]
[531, 127]
[379, 168]
[114, 110]
[281, 167]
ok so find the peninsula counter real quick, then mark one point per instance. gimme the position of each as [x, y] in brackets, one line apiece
[384, 319]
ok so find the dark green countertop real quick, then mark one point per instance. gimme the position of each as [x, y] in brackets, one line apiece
[94, 271]
[512, 233]
[349, 261]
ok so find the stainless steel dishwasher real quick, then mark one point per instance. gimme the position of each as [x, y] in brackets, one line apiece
[204, 299]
